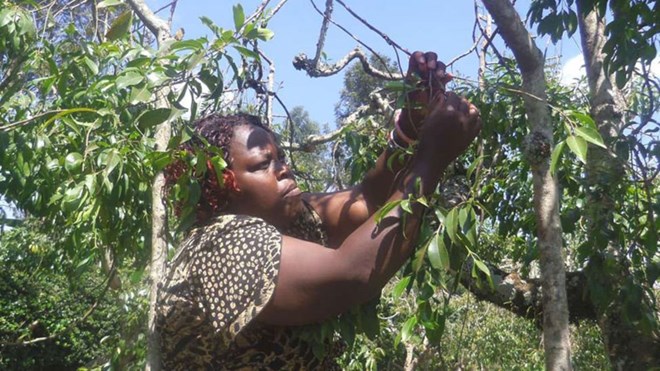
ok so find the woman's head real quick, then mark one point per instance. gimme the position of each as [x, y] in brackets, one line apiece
[257, 182]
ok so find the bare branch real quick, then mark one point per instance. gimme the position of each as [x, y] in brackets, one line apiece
[301, 62]
[373, 52]
[308, 144]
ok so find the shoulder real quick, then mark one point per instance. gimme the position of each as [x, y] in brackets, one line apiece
[231, 228]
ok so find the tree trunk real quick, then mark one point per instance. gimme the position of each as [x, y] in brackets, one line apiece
[628, 347]
[539, 146]
[161, 30]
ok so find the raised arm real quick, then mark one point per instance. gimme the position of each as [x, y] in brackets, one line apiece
[342, 212]
[316, 283]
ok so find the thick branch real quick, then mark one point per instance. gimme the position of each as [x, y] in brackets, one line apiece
[523, 297]
[155, 24]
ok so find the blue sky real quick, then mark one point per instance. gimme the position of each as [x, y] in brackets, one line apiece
[442, 26]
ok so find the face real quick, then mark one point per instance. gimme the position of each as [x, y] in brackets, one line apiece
[266, 187]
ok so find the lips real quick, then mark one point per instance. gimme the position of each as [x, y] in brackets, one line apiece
[292, 191]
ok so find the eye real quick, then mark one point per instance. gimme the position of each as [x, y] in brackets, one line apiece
[264, 165]
[281, 156]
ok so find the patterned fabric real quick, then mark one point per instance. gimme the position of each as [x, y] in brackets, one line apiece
[218, 282]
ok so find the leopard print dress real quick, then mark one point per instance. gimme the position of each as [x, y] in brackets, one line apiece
[223, 275]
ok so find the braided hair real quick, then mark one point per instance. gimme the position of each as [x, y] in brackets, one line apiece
[215, 130]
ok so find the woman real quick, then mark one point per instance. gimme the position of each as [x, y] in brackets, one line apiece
[266, 257]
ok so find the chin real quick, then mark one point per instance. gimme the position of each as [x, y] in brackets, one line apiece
[292, 209]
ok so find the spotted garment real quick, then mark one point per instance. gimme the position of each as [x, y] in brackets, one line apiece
[218, 282]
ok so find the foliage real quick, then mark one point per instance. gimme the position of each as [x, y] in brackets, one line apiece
[632, 32]
[39, 300]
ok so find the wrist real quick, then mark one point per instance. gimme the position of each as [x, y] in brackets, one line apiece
[404, 126]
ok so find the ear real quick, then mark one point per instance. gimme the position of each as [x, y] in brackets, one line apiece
[229, 179]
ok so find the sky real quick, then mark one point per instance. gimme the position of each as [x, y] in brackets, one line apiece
[443, 26]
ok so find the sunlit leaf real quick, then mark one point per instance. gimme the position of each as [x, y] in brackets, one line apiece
[239, 16]
[556, 155]
[438, 254]
[408, 328]
[451, 225]
[128, 79]
[578, 146]
[590, 135]
[380, 214]
[73, 161]
[401, 286]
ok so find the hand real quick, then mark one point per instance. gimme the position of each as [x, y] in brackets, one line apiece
[429, 77]
[449, 128]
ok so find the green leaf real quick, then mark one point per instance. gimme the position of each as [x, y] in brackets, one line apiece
[482, 267]
[422, 200]
[407, 329]
[219, 165]
[140, 94]
[93, 68]
[154, 117]
[590, 135]
[73, 161]
[578, 146]
[120, 26]
[247, 52]
[556, 155]
[451, 225]
[438, 253]
[583, 118]
[128, 79]
[405, 205]
[400, 286]
[265, 34]
[6, 15]
[108, 3]
[112, 159]
[380, 214]
[193, 44]
[67, 112]
[473, 166]
[239, 16]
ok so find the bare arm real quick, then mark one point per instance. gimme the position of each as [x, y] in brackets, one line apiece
[316, 283]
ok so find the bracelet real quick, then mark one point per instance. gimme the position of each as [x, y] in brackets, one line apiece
[392, 143]
[401, 134]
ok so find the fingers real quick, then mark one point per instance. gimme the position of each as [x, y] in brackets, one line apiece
[426, 66]
[431, 61]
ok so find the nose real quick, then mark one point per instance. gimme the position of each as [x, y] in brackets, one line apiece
[283, 170]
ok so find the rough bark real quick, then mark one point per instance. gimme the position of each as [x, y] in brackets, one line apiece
[546, 195]
[523, 296]
[628, 347]
[161, 30]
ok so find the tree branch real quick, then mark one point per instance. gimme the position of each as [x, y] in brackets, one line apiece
[155, 24]
[301, 62]
[523, 297]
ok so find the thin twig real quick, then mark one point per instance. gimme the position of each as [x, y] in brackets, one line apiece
[374, 29]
